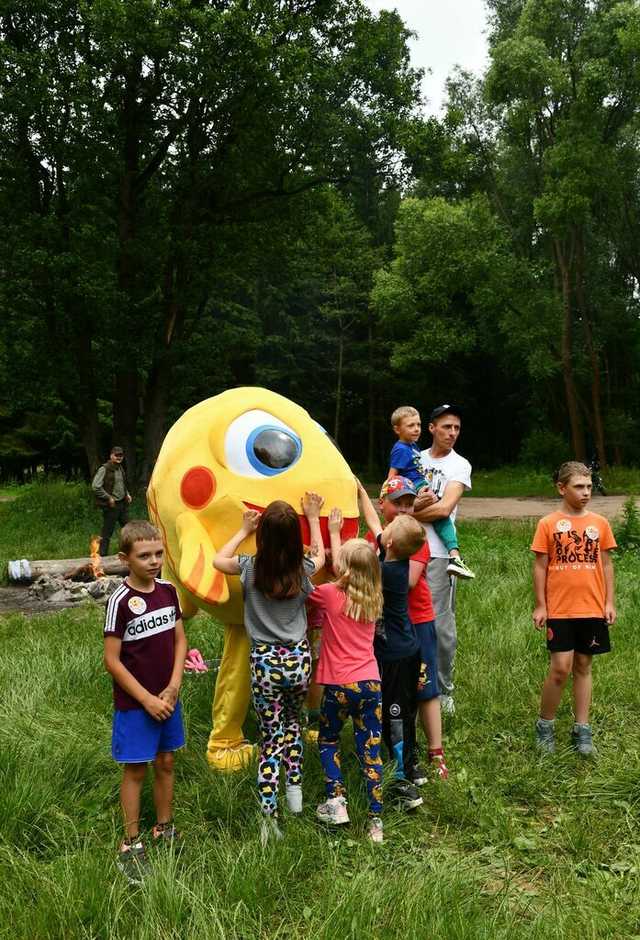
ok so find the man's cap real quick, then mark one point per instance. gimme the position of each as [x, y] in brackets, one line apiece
[445, 410]
[118, 451]
[395, 487]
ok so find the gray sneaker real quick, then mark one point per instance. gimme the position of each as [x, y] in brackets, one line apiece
[545, 738]
[582, 740]
[132, 862]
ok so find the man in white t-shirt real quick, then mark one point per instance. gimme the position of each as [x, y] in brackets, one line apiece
[448, 475]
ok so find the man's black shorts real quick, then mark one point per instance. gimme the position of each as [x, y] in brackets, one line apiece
[588, 635]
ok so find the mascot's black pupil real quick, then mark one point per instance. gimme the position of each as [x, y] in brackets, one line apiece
[275, 449]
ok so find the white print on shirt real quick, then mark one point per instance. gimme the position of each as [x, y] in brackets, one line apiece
[593, 532]
[436, 479]
[159, 621]
[137, 605]
[563, 525]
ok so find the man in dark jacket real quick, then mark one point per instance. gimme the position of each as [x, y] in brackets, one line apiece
[112, 496]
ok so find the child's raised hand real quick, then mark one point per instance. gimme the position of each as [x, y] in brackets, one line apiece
[312, 503]
[250, 520]
[335, 520]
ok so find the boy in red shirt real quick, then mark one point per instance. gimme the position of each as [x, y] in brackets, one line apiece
[574, 588]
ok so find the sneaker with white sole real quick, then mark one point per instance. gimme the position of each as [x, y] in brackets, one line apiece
[293, 794]
[582, 740]
[418, 776]
[458, 569]
[406, 795]
[132, 862]
[374, 831]
[545, 737]
[334, 811]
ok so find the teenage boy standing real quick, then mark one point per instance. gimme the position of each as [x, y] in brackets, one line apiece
[448, 475]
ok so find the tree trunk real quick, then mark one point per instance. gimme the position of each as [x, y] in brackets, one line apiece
[125, 398]
[155, 416]
[125, 419]
[577, 431]
[594, 358]
[372, 407]
[336, 423]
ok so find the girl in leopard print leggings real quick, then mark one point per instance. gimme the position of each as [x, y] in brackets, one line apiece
[276, 583]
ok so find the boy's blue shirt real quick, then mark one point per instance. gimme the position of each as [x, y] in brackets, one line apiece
[405, 458]
[398, 639]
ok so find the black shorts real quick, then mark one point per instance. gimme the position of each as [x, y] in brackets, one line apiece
[588, 635]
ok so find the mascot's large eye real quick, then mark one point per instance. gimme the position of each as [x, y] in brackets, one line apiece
[258, 444]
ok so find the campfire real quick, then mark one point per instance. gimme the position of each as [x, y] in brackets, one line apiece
[90, 571]
[94, 555]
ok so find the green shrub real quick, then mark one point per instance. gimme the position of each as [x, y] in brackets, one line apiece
[628, 531]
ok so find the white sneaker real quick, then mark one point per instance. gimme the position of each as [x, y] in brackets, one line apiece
[458, 569]
[334, 811]
[269, 830]
[375, 830]
[447, 705]
[293, 795]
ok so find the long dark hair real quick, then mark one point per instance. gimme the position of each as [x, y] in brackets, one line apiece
[279, 552]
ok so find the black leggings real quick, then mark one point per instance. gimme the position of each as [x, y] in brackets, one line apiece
[399, 710]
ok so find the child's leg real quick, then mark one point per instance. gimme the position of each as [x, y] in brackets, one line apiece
[292, 703]
[559, 670]
[448, 535]
[267, 702]
[582, 685]
[333, 714]
[399, 708]
[163, 786]
[431, 721]
[130, 790]
[367, 725]
[296, 671]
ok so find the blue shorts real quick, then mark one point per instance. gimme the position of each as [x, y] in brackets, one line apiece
[137, 738]
[428, 687]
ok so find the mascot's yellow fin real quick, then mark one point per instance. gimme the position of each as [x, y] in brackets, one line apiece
[196, 561]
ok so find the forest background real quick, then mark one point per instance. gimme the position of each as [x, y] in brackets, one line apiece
[198, 194]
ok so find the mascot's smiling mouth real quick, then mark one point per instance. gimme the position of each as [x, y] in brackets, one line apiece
[350, 527]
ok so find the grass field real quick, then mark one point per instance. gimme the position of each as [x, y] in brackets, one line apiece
[513, 846]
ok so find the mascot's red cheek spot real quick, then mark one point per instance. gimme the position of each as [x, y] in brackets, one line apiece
[197, 487]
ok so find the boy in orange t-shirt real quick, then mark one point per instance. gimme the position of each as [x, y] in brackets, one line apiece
[574, 588]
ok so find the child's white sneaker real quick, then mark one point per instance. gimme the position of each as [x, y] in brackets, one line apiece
[458, 569]
[375, 830]
[293, 795]
[334, 811]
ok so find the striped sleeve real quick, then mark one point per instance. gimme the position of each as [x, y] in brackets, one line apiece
[113, 625]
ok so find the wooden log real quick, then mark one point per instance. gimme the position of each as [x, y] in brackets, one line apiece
[23, 571]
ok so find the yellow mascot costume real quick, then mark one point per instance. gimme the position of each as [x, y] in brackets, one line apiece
[239, 450]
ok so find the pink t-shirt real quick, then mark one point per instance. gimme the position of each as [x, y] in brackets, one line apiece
[346, 648]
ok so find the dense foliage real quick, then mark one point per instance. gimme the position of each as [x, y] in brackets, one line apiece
[204, 194]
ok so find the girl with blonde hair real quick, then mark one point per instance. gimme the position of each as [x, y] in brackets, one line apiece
[347, 610]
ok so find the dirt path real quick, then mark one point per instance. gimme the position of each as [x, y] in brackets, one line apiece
[475, 507]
